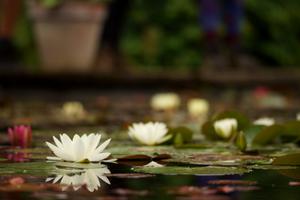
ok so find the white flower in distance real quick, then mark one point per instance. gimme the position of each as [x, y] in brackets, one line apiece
[298, 116]
[79, 149]
[264, 121]
[165, 101]
[86, 177]
[74, 110]
[226, 127]
[149, 133]
[198, 107]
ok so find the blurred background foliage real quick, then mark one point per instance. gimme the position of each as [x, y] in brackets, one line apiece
[167, 33]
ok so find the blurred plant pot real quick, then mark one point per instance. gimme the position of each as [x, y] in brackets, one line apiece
[67, 36]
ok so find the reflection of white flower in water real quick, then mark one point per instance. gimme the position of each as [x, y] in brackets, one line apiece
[265, 121]
[86, 177]
[79, 149]
[225, 127]
[149, 133]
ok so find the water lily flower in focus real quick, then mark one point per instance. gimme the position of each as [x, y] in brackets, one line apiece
[198, 107]
[90, 178]
[20, 136]
[165, 101]
[151, 133]
[225, 128]
[84, 148]
[265, 121]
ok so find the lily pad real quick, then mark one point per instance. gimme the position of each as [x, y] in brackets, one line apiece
[203, 171]
[33, 168]
[290, 159]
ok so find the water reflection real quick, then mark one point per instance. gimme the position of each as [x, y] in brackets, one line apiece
[76, 178]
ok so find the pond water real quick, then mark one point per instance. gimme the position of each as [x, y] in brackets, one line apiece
[203, 171]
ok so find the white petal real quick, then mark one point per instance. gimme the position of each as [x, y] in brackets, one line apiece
[99, 157]
[102, 146]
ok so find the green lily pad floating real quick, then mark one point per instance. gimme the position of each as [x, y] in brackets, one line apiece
[202, 171]
[26, 168]
[290, 160]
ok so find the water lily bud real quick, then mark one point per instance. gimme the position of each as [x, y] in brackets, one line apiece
[149, 133]
[198, 107]
[264, 121]
[20, 136]
[225, 128]
[165, 101]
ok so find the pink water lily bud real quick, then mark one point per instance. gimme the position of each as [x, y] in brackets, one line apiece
[20, 136]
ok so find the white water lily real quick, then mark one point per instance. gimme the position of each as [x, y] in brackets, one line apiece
[165, 101]
[265, 121]
[226, 127]
[79, 149]
[86, 177]
[198, 107]
[151, 133]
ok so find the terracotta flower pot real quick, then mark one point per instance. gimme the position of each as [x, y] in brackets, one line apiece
[67, 36]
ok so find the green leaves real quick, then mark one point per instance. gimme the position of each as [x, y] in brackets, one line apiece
[241, 142]
[181, 135]
[267, 135]
[208, 128]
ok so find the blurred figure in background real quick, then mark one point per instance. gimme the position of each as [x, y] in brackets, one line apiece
[111, 58]
[215, 13]
[9, 11]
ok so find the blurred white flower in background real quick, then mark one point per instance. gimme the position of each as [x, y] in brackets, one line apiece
[165, 101]
[73, 110]
[226, 127]
[264, 121]
[151, 133]
[86, 148]
[90, 178]
[198, 107]
[298, 117]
